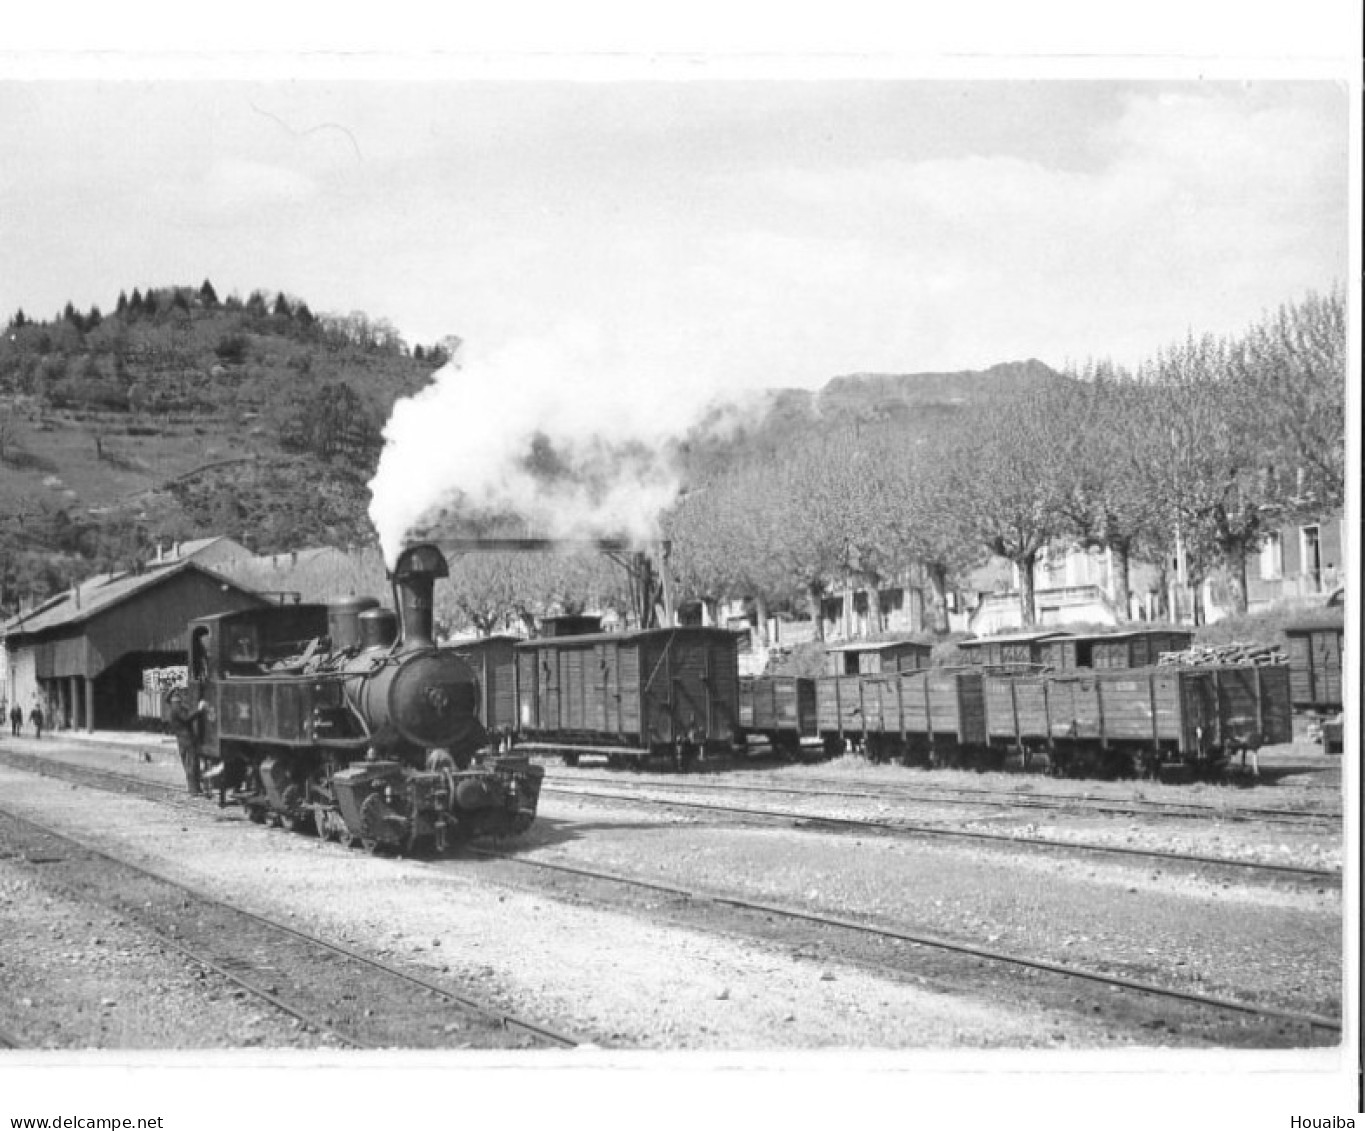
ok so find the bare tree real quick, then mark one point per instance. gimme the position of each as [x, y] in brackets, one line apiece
[1292, 367]
[1007, 484]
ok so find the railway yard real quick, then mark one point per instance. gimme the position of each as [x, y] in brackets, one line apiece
[770, 907]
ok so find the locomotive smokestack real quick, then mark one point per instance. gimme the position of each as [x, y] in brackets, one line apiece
[414, 578]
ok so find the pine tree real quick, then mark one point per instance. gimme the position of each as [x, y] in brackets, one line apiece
[207, 295]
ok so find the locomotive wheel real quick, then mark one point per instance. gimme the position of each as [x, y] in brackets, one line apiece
[255, 814]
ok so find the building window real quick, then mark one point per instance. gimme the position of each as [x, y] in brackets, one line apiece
[1272, 558]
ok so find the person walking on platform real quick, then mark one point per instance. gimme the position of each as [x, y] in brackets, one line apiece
[35, 716]
[16, 720]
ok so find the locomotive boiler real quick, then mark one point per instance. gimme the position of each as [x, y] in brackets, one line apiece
[347, 719]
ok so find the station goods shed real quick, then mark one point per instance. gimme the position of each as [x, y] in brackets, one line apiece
[82, 655]
[878, 658]
[1138, 648]
[1016, 648]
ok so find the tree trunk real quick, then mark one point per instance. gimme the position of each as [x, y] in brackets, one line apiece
[1236, 565]
[1027, 611]
[817, 610]
[874, 608]
[938, 588]
[1122, 589]
[711, 611]
[761, 615]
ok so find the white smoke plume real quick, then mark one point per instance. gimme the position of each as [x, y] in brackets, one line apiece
[558, 434]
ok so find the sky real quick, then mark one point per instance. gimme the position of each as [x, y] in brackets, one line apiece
[723, 233]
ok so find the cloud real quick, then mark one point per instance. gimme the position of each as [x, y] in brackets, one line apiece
[231, 185]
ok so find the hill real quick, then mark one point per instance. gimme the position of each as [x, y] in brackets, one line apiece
[179, 415]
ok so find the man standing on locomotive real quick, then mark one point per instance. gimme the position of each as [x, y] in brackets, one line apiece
[185, 723]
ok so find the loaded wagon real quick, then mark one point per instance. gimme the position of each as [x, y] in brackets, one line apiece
[668, 695]
[1115, 720]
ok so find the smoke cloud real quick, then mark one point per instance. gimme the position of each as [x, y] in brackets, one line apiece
[559, 436]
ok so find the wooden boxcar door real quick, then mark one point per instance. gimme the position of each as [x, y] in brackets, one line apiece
[628, 683]
[1325, 665]
[528, 690]
[549, 688]
[603, 708]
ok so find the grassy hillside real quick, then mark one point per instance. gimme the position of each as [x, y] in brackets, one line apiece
[179, 416]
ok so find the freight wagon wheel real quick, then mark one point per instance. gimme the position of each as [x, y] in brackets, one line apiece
[570, 759]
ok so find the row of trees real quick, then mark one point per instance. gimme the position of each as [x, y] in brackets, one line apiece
[1200, 451]
[258, 313]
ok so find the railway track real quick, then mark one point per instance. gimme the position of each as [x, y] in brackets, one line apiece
[1315, 1026]
[175, 795]
[1286, 1026]
[962, 795]
[912, 829]
[354, 999]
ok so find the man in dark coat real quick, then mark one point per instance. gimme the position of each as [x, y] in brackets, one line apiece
[185, 724]
[35, 716]
[16, 720]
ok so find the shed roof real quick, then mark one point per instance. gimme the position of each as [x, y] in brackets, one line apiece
[102, 592]
[876, 646]
[1013, 638]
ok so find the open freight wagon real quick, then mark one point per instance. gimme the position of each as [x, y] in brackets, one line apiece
[1118, 720]
[779, 708]
[668, 695]
[933, 715]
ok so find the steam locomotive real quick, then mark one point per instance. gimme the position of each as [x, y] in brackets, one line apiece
[348, 720]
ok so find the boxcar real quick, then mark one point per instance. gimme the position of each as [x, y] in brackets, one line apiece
[779, 708]
[493, 660]
[1115, 720]
[1315, 661]
[669, 694]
